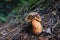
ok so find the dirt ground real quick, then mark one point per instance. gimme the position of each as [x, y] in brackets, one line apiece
[20, 30]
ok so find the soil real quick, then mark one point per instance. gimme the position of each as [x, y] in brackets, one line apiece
[20, 30]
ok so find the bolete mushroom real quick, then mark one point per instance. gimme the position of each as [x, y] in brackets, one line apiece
[35, 19]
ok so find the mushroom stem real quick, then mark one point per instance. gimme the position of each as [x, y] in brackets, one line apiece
[37, 27]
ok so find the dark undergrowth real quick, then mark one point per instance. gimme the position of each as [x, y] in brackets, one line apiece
[14, 27]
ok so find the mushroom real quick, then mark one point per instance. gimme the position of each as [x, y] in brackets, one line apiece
[35, 20]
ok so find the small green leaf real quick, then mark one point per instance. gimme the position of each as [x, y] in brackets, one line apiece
[3, 19]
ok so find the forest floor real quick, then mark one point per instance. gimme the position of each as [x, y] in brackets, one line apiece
[20, 30]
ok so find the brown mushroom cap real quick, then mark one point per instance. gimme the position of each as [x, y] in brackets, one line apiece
[31, 16]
